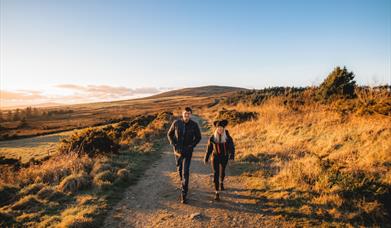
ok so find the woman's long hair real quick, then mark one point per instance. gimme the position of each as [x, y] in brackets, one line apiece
[220, 138]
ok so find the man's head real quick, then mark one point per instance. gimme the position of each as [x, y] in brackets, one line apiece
[186, 114]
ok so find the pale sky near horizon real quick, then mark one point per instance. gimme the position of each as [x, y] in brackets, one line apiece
[72, 51]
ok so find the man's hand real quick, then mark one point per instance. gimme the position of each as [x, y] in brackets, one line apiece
[206, 161]
[176, 152]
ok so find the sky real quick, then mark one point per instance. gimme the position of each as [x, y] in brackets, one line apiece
[71, 51]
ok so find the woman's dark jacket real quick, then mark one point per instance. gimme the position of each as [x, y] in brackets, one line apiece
[223, 150]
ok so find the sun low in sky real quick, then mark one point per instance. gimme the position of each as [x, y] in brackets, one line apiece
[70, 51]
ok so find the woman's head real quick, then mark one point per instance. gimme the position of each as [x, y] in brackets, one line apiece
[220, 135]
[220, 130]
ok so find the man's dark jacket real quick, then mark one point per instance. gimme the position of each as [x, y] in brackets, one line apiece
[176, 136]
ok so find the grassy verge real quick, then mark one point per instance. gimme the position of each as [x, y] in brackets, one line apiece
[78, 189]
[313, 165]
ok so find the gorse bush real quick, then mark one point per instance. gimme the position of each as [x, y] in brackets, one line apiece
[106, 141]
[339, 83]
[90, 141]
[369, 100]
[338, 92]
[145, 127]
[258, 97]
[135, 126]
[115, 130]
[235, 117]
[374, 100]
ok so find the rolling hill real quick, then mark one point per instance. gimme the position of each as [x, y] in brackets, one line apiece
[69, 117]
[202, 91]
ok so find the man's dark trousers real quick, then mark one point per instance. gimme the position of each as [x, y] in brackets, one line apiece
[183, 168]
[184, 137]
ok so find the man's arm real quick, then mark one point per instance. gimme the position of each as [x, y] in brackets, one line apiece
[197, 136]
[171, 134]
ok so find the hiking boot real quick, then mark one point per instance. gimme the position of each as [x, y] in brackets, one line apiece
[222, 186]
[217, 196]
[183, 198]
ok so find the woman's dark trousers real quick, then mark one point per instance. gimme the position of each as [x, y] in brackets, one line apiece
[219, 164]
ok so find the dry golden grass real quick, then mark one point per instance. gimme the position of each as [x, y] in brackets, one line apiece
[75, 182]
[78, 216]
[355, 141]
[36, 148]
[53, 170]
[76, 190]
[308, 164]
[329, 163]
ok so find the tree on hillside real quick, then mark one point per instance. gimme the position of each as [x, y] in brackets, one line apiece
[29, 112]
[35, 112]
[16, 115]
[339, 83]
[9, 115]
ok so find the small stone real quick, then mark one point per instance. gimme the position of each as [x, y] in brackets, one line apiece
[195, 215]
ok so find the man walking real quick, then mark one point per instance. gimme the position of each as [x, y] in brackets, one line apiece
[184, 134]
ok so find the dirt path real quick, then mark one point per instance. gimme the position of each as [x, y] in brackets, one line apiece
[154, 200]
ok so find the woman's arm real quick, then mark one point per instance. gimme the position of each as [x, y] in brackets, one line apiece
[231, 146]
[209, 149]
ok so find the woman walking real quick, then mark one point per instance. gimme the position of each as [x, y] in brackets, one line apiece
[222, 148]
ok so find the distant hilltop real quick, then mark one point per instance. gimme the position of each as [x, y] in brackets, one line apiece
[202, 91]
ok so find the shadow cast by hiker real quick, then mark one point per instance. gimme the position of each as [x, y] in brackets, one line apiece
[296, 207]
[289, 209]
[232, 200]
